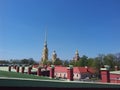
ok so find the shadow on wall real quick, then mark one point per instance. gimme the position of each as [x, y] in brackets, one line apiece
[43, 73]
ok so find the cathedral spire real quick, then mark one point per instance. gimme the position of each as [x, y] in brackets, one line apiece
[45, 42]
[44, 58]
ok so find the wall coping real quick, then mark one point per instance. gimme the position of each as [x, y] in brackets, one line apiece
[104, 69]
[115, 72]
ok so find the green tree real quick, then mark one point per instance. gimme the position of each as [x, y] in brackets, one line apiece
[72, 62]
[78, 63]
[58, 62]
[109, 60]
[24, 61]
[49, 62]
[4, 62]
[83, 61]
[101, 57]
[90, 62]
[117, 59]
[97, 64]
[31, 61]
[15, 61]
[66, 63]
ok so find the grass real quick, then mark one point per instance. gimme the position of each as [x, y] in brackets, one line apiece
[21, 75]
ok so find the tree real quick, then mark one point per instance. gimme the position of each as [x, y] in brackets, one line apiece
[58, 62]
[90, 62]
[109, 60]
[15, 61]
[24, 61]
[72, 62]
[97, 64]
[49, 62]
[31, 61]
[83, 61]
[101, 57]
[78, 63]
[66, 63]
[117, 59]
[4, 62]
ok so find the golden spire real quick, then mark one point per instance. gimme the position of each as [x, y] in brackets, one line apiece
[45, 50]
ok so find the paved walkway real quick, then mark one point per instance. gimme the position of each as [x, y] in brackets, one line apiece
[57, 80]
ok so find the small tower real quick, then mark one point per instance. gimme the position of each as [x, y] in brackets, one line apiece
[54, 57]
[76, 58]
[45, 52]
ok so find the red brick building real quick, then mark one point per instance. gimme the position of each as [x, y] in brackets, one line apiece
[110, 76]
[78, 72]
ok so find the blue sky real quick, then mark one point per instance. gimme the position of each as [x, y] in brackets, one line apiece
[91, 26]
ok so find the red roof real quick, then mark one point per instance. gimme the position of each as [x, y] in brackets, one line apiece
[83, 70]
[91, 70]
[62, 69]
[79, 70]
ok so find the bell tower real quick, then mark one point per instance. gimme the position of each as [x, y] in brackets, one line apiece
[76, 58]
[54, 56]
